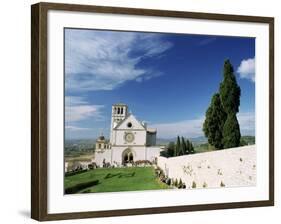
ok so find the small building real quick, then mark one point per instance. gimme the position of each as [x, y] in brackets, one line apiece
[102, 143]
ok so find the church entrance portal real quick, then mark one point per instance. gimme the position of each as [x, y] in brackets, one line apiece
[127, 157]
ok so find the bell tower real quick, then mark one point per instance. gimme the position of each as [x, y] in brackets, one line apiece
[119, 112]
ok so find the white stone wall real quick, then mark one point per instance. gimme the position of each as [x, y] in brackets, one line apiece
[101, 155]
[230, 167]
[152, 152]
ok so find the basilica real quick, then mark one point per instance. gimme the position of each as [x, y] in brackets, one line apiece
[130, 140]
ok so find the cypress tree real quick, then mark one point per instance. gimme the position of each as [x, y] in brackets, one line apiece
[230, 98]
[178, 146]
[214, 122]
[191, 148]
[231, 132]
[229, 90]
[187, 146]
[183, 146]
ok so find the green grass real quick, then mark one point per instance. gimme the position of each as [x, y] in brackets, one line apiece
[115, 179]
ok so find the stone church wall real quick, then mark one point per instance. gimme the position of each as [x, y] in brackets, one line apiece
[139, 137]
[100, 156]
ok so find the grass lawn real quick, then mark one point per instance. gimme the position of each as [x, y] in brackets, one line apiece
[114, 180]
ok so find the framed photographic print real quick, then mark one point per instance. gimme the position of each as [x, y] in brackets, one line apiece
[138, 111]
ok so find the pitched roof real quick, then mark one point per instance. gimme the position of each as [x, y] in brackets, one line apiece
[123, 121]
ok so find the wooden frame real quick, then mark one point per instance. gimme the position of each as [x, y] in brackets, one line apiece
[39, 110]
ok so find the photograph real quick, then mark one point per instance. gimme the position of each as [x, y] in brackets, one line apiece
[158, 111]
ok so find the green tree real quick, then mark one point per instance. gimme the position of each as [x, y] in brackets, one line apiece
[187, 146]
[183, 147]
[171, 149]
[230, 98]
[178, 146]
[191, 148]
[214, 122]
[231, 132]
[229, 90]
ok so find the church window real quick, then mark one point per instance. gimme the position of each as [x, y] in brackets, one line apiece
[99, 146]
[129, 125]
[118, 110]
[122, 110]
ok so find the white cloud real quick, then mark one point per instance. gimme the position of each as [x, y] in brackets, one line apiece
[247, 123]
[149, 76]
[207, 41]
[187, 128]
[74, 100]
[193, 128]
[75, 128]
[103, 60]
[246, 69]
[77, 109]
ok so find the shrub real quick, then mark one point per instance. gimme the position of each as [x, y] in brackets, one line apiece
[168, 181]
[205, 185]
[142, 162]
[159, 172]
[180, 184]
[176, 183]
[222, 184]
[78, 187]
[193, 184]
[71, 173]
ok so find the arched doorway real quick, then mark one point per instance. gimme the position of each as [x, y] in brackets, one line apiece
[127, 156]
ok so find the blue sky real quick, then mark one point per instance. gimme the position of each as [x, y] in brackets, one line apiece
[166, 80]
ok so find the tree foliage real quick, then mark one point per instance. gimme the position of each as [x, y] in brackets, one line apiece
[171, 149]
[190, 147]
[184, 149]
[231, 132]
[178, 146]
[229, 90]
[214, 122]
[221, 126]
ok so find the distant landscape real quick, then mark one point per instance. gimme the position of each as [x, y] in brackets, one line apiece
[80, 147]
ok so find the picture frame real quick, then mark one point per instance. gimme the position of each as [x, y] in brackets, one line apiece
[40, 102]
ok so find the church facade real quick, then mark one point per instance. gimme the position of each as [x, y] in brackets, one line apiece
[130, 140]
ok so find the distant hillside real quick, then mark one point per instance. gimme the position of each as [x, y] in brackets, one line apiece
[85, 145]
[196, 141]
[79, 145]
